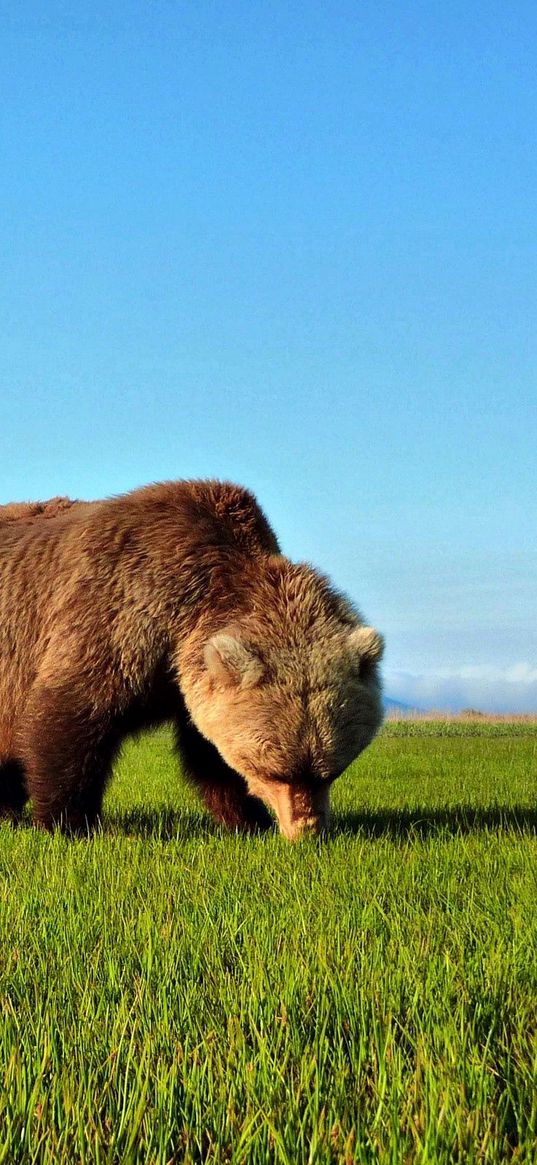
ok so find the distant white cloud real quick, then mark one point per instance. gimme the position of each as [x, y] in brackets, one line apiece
[487, 688]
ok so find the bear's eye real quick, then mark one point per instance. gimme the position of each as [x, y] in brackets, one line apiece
[278, 779]
[310, 778]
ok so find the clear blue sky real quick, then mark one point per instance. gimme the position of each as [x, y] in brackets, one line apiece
[294, 245]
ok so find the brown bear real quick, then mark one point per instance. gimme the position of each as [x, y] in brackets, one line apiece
[174, 603]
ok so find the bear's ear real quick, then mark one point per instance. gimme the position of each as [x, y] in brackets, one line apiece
[367, 644]
[230, 661]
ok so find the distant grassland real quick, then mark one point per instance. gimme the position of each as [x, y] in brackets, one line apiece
[172, 994]
[461, 726]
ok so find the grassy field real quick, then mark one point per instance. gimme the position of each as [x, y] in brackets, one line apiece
[171, 994]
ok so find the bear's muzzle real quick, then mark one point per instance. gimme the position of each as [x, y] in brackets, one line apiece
[299, 810]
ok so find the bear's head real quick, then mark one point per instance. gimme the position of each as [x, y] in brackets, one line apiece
[289, 693]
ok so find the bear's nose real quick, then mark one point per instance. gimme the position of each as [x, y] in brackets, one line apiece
[303, 827]
[301, 810]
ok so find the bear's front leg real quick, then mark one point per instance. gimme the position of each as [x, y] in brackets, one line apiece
[13, 795]
[223, 791]
[231, 805]
[67, 754]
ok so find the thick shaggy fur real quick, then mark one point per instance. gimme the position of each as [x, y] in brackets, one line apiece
[174, 603]
[29, 511]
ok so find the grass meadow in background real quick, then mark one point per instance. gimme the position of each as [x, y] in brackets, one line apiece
[169, 993]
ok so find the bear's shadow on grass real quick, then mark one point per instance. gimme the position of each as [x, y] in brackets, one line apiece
[170, 824]
[163, 823]
[424, 822]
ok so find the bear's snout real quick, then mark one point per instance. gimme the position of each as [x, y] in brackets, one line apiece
[299, 810]
[303, 811]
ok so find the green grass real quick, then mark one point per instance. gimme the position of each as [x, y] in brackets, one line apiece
[460, 726]
[172, 994]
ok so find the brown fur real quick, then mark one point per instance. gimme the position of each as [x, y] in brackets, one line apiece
[29, 511]
[174, 603]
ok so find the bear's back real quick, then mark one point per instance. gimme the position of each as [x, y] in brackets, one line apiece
[32, 511]
[42, 542]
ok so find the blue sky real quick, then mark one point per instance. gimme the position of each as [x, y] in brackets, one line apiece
[295, 246]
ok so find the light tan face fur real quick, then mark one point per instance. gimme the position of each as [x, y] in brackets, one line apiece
[291, 728]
